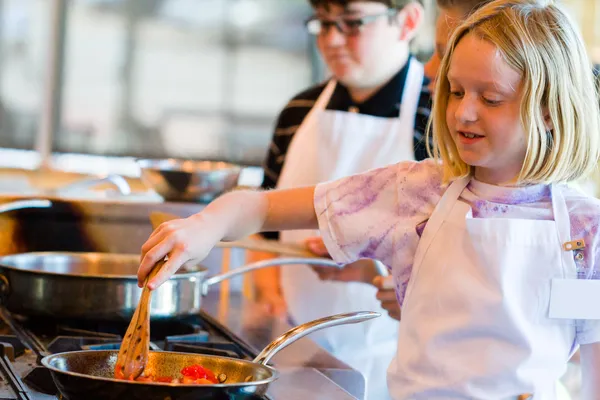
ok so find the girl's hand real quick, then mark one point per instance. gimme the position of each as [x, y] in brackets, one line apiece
[272, 302]
[358, 271]
[182, 240]
[317, 246]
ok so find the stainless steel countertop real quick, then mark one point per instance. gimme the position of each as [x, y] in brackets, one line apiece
[321, 376]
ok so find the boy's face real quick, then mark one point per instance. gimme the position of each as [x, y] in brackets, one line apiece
[448, 19]
[366, 56]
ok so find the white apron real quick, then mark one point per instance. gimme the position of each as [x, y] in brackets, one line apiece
[327, 146]
[477, 306]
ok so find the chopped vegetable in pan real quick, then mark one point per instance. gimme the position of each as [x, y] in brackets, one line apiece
[193, 374]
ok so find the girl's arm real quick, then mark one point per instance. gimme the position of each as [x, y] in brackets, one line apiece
[232, 216]
[590, 365]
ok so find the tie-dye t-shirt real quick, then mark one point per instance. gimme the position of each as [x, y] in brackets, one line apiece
[381, 214]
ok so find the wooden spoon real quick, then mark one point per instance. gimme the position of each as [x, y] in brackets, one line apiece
[265, 245]
[134, 350]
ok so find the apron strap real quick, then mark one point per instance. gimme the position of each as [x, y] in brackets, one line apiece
[441, 211]
[563, 230]
[412, 87]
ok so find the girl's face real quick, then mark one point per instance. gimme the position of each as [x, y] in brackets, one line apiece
[448, 19]
[483, 113]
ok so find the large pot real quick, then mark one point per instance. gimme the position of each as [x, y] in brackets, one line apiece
[89, 375]
[103, 286]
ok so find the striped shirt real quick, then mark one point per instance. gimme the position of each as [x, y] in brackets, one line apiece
[385, 103]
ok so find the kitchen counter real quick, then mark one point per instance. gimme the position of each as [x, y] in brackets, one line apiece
[303, 360]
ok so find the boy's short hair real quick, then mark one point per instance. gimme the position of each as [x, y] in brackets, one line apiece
[390, 3]
[539, 40]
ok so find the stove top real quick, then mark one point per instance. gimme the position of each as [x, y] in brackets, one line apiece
[24, 378]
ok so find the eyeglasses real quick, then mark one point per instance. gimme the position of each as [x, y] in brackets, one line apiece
[349, 26]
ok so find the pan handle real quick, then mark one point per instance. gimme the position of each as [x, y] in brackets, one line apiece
[21, 204]
[324, 262]
[305, 329]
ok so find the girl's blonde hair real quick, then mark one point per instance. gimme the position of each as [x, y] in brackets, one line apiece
[537, 39]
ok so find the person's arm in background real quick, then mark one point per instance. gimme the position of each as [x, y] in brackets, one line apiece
[267, 286]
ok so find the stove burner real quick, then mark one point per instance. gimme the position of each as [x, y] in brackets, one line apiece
[199, 334]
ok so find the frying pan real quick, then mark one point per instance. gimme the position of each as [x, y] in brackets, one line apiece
[103, 286]
[88, 375]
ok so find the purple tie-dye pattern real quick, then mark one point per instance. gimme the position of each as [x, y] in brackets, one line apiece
[373, 244]
[360, 191]
[382, 214]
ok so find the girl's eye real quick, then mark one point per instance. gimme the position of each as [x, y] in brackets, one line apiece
[491, 102]
[456, 93]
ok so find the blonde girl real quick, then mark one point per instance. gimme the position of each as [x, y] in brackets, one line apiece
[494, 257]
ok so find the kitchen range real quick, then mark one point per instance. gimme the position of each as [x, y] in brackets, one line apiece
[52, 313]
[23, 377]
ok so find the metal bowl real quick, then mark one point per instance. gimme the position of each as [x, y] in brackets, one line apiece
[187, 180]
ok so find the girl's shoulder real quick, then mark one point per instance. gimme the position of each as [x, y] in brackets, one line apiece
[427, 172]
[580, 202]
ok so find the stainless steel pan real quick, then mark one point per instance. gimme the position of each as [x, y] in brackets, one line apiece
[103, 286]
[88, 375]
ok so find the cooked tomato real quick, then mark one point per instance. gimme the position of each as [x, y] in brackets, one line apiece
[199, 372]
[193, 374]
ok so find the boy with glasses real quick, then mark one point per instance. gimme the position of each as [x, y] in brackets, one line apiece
[371, 112]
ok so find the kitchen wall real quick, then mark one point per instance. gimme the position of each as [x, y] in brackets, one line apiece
[178, 78]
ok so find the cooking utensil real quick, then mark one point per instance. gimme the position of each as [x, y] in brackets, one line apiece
[89, 374]
[133, 353]
[103, 286]
[187, 180]
[264, 245]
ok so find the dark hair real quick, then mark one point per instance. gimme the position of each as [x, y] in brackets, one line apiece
[390, 3]
[466, 6]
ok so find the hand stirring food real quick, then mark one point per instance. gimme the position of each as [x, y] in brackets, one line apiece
[134, 350]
